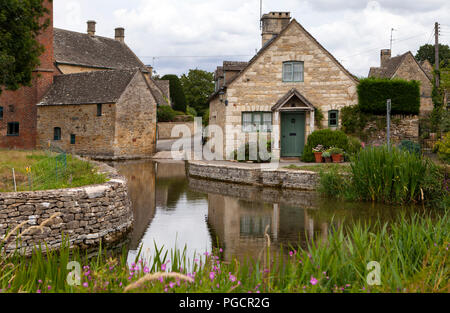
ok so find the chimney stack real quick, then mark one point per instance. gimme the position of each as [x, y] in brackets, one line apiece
[273, 24]
[91, 28]
[385, 56]
[120, 34]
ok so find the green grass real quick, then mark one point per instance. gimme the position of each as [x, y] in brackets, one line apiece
[412, 253]
[326, 167]
[45, 171]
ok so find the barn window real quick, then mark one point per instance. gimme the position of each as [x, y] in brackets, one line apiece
[13, 129]
[257, 122]
[72, 139]
[57, 133]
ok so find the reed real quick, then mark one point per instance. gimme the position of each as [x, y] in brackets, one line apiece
[412, 253]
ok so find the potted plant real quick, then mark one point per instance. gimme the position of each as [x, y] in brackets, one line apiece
[327, 156]
[318, 153]
[337, 155]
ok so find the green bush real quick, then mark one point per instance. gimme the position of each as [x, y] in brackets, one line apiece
[410, 146]
[166, 114]
[191, 111]
[327, 138]
[443, 149]
[353, 120]
[354, 146]
[318, 117]
[374, 92]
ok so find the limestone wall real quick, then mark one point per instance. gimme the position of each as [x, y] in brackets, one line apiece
[165, 129]
[87, 214]
[280, 178]
[402, 128]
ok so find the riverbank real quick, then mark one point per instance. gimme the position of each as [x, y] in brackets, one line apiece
[86, 215]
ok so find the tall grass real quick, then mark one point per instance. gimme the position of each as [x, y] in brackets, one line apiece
[388, 175]
[412, 253]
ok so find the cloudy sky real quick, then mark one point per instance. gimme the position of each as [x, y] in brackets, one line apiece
[177, 35]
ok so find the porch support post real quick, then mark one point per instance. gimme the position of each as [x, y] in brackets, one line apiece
[276, 134]
[312, 121]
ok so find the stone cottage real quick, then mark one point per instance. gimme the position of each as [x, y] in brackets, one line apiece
[280, 88]
[80, 55]
[406, 67]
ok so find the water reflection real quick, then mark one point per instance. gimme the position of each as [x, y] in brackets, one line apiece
[171, 210]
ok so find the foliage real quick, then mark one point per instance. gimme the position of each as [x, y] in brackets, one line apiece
[166, 114]
[327, 138]
[198, 85]
[335, 151]
[20, 23]
[427, 52]
[319, 117]
[206, 118]
[412, 252]
[176, 93]
[248, 149]
[354, 145]
[374, 92]
[390, 175]
[443, 148]
[410, 146]
[191, 111]
[353, 120]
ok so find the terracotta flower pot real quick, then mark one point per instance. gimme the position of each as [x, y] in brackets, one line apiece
[337, 158]
[318, 156]
[328, 160]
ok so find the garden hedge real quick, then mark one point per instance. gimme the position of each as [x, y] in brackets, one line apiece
[374, 92]
[327, 138]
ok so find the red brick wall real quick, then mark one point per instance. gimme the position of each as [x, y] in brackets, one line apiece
[20, 106]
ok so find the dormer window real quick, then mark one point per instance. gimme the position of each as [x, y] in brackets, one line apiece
[293, 71]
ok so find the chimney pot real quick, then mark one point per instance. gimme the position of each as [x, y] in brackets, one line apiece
[91, 28]
[120, 34]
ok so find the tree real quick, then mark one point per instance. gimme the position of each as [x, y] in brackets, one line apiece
[176, 93]
[198, 85]
[427, 52]
[20, 24]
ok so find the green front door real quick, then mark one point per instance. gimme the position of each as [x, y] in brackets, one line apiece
[292, 134]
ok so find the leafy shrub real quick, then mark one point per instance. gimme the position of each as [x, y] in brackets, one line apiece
[443, 149]
[410, 146]
[354, 145]
[333, 184]
[353, 120]
[373, 93]
[319, 117]
[327, 138]
[166, 114]
[191, 111]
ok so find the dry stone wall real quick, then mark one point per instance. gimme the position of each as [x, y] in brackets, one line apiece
[402, 128]
[86, 215]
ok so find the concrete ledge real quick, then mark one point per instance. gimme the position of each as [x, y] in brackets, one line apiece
[86, 214]
[255, 176]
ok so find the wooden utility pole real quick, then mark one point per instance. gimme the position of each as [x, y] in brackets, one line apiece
[436, 48]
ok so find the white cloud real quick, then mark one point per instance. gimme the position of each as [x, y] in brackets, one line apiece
[352, 30]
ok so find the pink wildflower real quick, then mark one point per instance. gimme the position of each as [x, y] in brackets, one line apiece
[313, 281]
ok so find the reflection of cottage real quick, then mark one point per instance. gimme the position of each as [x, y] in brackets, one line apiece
[290, 77]
[406, 67]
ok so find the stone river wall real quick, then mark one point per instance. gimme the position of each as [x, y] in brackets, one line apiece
[85, 215]
[255, 176]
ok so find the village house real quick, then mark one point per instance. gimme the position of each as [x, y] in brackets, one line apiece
[406, 67]
[96, 98]
[291, 77]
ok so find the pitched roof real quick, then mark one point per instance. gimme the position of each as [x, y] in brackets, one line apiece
[291, 94]
[269, 44]
[390, 67]
[88, 88]
[160, 96]
[164, 85]
[93, 51]
[234, 65]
